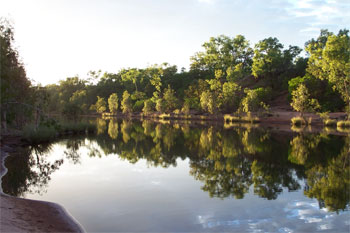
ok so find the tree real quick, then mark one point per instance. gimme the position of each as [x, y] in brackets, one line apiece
[78, 99]
[113, 103]
[255, 99]
[148, 106]
[267, 57]
[208, 102]
[160, 106]
[15, 88]
[272, 63]
[231, 96]
[330, 60]
[225, 54]
[126, 104]
[100, 105]
[302, 102]
[170, 100]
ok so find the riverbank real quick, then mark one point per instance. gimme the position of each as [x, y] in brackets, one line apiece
[24, 215]
[273, 118]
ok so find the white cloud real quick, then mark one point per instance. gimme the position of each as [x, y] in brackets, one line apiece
[320, 13]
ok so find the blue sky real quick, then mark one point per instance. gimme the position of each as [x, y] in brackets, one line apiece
[61, 38]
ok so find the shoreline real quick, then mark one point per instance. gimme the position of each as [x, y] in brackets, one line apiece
[26, 215]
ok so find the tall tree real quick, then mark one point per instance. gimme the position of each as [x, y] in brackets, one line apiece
[330, 60]
[302, 102]
[101, 105]
[15, 88]
[225, 54]
[126, 104]
[113, 103]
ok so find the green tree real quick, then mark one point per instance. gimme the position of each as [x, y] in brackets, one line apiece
[113, 103]
[133, 75]
[231, 96]
[301, 101]
[208, 102]
[170, 100]
[273, 64]
[126, 104]
[255, 99]
[330, 60]
[148, 106]
[160, 106]
[100, 105]
[15, 88]
[225, 54]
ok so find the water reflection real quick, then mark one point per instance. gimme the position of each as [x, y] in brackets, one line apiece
[228, 162]
[29, 170]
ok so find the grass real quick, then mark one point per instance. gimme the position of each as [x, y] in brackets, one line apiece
[44, 133]
[244, 119]
[298, 121]
[35, 135]
[76, 128]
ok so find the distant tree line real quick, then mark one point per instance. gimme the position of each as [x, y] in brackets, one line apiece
[228, 76]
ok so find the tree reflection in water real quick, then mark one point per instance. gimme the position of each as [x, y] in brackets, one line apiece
[228, 162]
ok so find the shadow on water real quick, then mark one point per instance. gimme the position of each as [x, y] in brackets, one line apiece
[227, 162]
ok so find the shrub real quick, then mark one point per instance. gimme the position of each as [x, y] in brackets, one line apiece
[40, 134]
[330, 122]
[138, 106]
[298, 121]
[148, 106]
[343, 124]
[255, 99]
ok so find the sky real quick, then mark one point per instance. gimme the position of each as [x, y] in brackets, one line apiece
[57, 39]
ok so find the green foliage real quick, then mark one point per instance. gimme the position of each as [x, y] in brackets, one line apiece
[16, 95]
[343, 124]
[185, 108]
[255, 99]
[148, 106]
[39, 134]
[160, 106]
[100, 105]
[138, 106]
[214, 83]
[232, 57]
[126, 104]
[302, 102]
[208, 102]
[113, 103]
[170, 100]
[298, 121]
[330, 60]
[329, 99]
[273, 64]
[72, 109]
[330, 122]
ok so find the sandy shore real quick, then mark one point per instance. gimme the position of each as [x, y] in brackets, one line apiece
[24, 215]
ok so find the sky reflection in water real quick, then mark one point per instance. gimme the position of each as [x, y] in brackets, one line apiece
[151, 178]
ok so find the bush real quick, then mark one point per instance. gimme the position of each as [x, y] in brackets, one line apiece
[330, 122]
[298, 121]
[255, 99]
[343, 124]
[40, 134]
[138, 106]
[77, 128]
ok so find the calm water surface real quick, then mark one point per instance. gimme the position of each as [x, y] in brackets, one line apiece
[148, 177]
